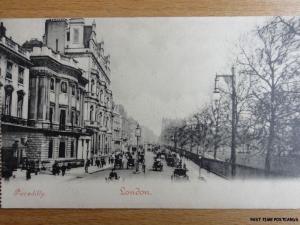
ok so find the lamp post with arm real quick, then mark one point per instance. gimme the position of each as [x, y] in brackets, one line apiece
[234, 117]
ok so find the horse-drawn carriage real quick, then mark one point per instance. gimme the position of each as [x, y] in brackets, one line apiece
[130, 163]
[113, 176]
[157, 165]
[180, 173]
[171, 161]
[118, 163]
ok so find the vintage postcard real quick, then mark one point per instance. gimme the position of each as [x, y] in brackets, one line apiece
[199, 112]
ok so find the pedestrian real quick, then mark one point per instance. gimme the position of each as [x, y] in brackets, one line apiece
[113, 175]
[92, 161]
[86, 167]
[63, 169]
[58, 169]
[54, 168]
[144, 168]
[98, 162]
[113, 159]
[28, 173]
[103, 161]
[36, 167]
[123, 161]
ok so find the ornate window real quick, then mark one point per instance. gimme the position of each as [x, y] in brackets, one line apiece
[72, 149]
[75, 36]
[100, 118]
[77, 118]
[52, 84]
[63, 87]
[68, 35]
[92, 86]
[7, 101]
[62, 149]
[51, 114]
[9, 66]
[21, 75]
[101, 96]
[91, 112]
[50, 149]
[20, 103]
[72, 118]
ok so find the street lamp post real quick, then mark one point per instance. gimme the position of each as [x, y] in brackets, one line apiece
[233, 120]
[138, 135]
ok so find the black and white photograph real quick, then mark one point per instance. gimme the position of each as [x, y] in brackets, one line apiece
[150, 112]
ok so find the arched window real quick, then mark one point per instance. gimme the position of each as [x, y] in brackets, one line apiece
[91, 112]
[62, 149]
[72, 117]
[77, 118]
[63, 87]
[7, 101]
[101, 96]
[52, 84]
[100, 118]
[92, 86]
[73, 90]
[21, 94]
[21, 75]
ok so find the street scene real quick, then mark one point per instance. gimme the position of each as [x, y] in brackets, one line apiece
[141, 106]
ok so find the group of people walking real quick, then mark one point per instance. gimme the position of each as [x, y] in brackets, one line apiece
[100, 162]
[56, 169]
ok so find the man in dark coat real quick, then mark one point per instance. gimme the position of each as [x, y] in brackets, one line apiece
[87, 164]
[63, 169]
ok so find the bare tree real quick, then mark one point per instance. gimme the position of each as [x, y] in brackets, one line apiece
[272, 65]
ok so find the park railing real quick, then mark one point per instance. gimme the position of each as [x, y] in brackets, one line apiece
[224, 168]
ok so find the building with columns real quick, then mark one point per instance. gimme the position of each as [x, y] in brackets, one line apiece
[56, 106]
[76, 39]
[57, 103]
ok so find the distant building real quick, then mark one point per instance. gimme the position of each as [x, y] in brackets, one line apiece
[117, 129]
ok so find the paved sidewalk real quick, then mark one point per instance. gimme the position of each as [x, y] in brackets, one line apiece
[80, 171]
[71, 174]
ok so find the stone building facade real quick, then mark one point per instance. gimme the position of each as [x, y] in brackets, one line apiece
[76, 39]
[14, 78]
[57, 103]
[55, 107]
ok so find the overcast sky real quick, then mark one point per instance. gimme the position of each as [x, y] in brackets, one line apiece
[160, 67]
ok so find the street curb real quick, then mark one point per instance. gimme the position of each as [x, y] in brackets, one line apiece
[102, 169]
